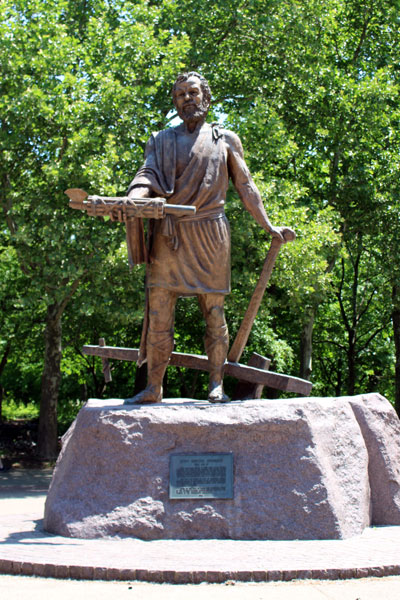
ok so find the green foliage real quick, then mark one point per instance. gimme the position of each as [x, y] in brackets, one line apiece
[12, 410]
[80, 91]
[311, 88]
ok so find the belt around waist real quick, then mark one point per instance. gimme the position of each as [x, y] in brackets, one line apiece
[168, 225]
[208, 215]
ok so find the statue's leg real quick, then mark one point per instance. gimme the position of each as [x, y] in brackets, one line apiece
[216, 341]
[160, 343]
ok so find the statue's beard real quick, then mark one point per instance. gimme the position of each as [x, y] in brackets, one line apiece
[192, 112]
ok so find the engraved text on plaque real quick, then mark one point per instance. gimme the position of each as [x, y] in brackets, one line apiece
[201, 476]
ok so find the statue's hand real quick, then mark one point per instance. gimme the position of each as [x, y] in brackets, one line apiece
[283, 234]
[118, 213]
[276, 232]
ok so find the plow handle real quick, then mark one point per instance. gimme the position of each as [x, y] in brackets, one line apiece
[242, 335]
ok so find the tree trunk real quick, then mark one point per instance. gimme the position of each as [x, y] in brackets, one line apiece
[351, 363]
[339, 380]
[2, 366]
[396, 332]
[47, 434]
[306, 346]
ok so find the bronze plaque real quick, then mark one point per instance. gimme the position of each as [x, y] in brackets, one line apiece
[207, 475]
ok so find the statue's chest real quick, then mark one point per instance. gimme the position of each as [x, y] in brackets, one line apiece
[188, 147]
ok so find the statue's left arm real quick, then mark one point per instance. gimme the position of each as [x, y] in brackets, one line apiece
[245, 185]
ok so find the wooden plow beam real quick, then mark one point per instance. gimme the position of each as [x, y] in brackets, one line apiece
[285, 383]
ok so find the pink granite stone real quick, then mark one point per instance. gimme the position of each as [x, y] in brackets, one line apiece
[380, 427]
[300, 470]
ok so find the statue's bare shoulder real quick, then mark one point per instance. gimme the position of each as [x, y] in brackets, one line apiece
[237, 166]
[232, 141]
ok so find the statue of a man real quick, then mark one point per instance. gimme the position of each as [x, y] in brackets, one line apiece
[190, 256]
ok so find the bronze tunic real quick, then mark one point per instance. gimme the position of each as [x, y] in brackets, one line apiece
[189, 255]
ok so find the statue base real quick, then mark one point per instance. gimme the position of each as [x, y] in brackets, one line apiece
[315, 468]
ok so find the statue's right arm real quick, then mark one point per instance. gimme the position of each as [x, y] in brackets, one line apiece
[139, 192]
[142, 188]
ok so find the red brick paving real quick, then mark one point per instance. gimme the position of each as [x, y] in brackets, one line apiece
[26, 549]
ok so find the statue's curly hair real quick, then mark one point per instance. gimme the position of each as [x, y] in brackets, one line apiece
[205, 88]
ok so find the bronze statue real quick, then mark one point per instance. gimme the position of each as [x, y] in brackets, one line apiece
[189, 255]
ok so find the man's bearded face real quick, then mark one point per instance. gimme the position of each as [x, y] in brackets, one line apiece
[189, 100]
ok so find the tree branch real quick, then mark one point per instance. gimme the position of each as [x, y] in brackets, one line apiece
[362, 38]
[71, 292]
[340, 300]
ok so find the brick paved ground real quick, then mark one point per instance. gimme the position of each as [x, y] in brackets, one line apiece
[17, 587]
[26, 549]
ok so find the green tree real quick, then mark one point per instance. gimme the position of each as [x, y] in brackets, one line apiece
[78, 84]
[313, 87]
[312, 90]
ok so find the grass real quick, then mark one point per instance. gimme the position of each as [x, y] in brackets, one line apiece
[11, 410]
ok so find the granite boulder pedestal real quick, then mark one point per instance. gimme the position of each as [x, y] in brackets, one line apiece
[308, 468]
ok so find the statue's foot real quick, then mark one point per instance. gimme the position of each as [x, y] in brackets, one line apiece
[151, 395]
[217, 394]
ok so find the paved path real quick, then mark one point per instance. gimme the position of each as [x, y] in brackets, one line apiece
[14, 587]
[25, 549]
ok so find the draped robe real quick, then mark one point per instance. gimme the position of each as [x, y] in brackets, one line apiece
[189, 255]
